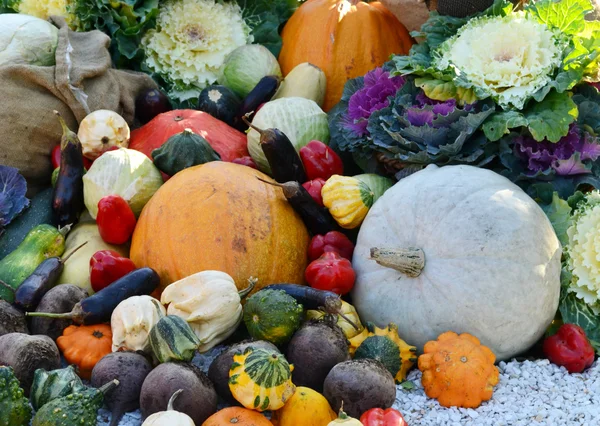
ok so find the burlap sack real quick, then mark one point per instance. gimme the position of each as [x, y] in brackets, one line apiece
[82, 81]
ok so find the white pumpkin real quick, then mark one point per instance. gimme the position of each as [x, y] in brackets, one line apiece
[131, 322]
[169, 417]
[478, 256]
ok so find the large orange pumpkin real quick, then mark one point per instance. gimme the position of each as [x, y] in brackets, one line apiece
[237, 416]
[219, 216]
[345, 38]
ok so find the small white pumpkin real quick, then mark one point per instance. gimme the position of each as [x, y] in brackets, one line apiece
[169, 417]
[101, 130]
[458, 248]
[211, 304]
[131, 322]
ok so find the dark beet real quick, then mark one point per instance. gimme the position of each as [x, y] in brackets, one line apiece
[150, 103]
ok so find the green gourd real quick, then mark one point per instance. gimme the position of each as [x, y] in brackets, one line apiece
[272, 315]
[79, 408]
[220, 102]
[172, 338]
[183, 150]
[50, 385]
[41, 242]
[14, 406]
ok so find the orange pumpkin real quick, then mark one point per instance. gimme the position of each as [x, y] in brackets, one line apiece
[219, 216]
[458, 371]
[85, 345]
[237, 416]
[345, 38]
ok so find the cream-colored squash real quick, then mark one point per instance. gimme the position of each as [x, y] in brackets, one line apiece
[479, 257]
[131, 322]
[77, 268]
[210, 302]
[170, 417]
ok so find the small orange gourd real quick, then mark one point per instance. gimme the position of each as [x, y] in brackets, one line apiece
[345, 38]
[85, 345]
[306, 407]
[458, 370]
[237, 416]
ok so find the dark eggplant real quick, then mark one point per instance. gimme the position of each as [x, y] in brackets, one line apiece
[312, 298]
[35, 286]
[67, 199]
[262, 93]
[150, 103]
[286, 164]
[316, 218]
[98, 308]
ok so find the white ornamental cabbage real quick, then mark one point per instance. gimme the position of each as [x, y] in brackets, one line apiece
[584, 250]
[27, 40]
[508, 58]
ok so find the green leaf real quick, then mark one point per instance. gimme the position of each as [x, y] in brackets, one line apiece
[575, 311]
[499, 8]
[551, 118]
[408, 385]
[417, 61]
[568, 16]
[559, 213]
[438, 28]
[501, 123]
[441, 90]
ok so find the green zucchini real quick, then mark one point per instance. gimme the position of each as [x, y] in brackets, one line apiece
[39, 211]
[172, 339]
[41, 242]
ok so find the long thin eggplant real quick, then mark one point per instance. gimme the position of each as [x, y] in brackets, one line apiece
[30, 292]
[98, 308]
[312, 298]
[262, 93]
[316, 218]
[67, 200]
[286, 164]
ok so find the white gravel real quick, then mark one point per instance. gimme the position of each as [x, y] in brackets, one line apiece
[530, 393]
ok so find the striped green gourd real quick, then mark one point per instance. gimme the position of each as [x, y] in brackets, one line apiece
[49, 385]
[172, 338]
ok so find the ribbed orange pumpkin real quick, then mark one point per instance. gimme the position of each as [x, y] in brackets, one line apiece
[219, 216]
[345, 38]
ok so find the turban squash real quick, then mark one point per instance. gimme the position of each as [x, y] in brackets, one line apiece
[219, 216]
[345, 38]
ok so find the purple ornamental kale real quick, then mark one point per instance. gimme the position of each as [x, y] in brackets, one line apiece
[561, 156]
[374, 96]
[427, 110]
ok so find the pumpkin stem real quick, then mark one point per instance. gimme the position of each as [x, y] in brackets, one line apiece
[341, 414]
[72, 253]
[251, 284]
[289, 188]
[6, 286]
[172, 399]
[409, 262]
[157, 305]
[64, 230]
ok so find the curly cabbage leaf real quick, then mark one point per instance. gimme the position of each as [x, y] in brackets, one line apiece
[12, 195]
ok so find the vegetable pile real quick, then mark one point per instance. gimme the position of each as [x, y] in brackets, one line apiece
[332, 219]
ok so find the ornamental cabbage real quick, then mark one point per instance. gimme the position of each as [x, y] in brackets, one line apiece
[27, 40]
[44, 9]
[583, 249]
[191, 41]
[507, 57]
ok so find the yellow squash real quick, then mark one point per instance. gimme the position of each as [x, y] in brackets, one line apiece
[306, 407]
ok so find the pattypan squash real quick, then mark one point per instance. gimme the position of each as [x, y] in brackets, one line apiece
[210, 302]
[169, 417]
[345, 419]
[131, 322]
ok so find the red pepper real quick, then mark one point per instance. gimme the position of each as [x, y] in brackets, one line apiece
[246, 161]
[55, 156]
[380, 417]
[107, 266]
[115, 219]
[314, 189]
[332, 241]
[570, 348]
[331, 272]
[320, 161]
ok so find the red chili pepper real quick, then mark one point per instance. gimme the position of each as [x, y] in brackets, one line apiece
[314, 189]
[332, 241]
[570, 348]
[320, 161]
[246, 161]
[331, 272]
[107, 266]
[380, 417]
[115, 219]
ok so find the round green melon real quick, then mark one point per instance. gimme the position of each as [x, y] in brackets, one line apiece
[272, 315]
